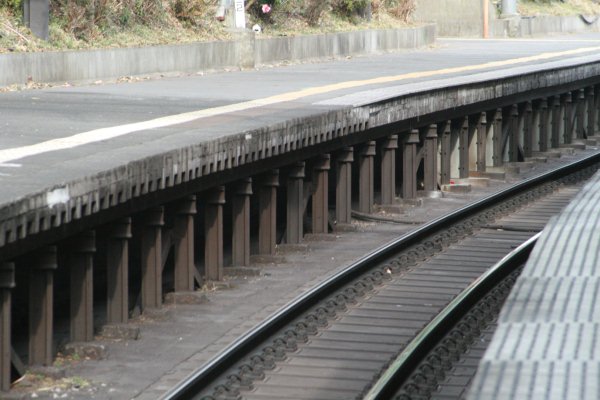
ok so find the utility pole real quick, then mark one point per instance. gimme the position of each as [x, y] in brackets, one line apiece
[36, 15]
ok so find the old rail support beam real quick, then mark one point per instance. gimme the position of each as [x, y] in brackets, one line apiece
[444, 131]
[528, 134]
[41, 294]
[320, 200]
[568, 117]
[580, 113]
[592, 111]
[388, 169]
[513, 126]
[430, 166]
[463, 147]
[544, 124]
[409, 173]
[117, 270]
[366, 160]
[267, 225]
[482, 131]
[343, 187]
[81, 266]
[151, 257]
[295, 204]
[498, 139]
[557, 123]
[7, 283]
[240, 236]
[183, 232]
[213, 234]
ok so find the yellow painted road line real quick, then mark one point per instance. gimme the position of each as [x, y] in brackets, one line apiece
[101, 134]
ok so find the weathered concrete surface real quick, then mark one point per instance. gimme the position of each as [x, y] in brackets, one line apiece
[462, 18]
[246, 52]
[543, 25]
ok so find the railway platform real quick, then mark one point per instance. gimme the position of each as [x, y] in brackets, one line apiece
[546, 345]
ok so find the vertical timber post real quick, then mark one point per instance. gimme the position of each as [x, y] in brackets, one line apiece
[513, 152]
[320, 201]
[567, 113]
[366, 160]
[343, 187]
[41, 293]
[544, 124]
[580, 127]
[117, 270]
[81, 264]
[151, 258]
[409, 174]
[388, 169]
[183, 229]
[240, 240]
[267, 230]
[213, 234]
[446, 151]
[295, 204]
[528, 135]
[482, 143]
[497, 139]
[430, 167]
[463, 149]
[556, 122]
[7, 283]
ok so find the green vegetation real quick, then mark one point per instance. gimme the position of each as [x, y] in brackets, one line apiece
[83, 24]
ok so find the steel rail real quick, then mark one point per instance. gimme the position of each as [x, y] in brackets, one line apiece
[244, 345]
[408, 360]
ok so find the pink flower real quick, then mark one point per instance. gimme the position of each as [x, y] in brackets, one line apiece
[266, 8]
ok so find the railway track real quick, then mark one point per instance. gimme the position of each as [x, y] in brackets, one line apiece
[335, 340]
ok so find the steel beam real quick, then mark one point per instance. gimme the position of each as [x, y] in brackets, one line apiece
[7, 283]
[389, 147]
[320, 200]
[343, 187]
[409, 173]
[183, 232]
[430, 167]
[366, 160]
[81, 266]
[240, 240]
[267, 231]
[444, 131]
[295, 204]
[117, 270]
[213, 234]
[151, 258]
[41, 293]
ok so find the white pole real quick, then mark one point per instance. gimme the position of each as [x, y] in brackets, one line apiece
[240, 14]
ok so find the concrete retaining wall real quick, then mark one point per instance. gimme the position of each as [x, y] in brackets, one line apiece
[541, 25]
[17, 68]
[454, 17]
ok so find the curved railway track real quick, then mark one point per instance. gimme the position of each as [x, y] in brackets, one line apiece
[335, 340]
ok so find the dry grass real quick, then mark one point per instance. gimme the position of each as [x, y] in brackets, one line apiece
[557, 7]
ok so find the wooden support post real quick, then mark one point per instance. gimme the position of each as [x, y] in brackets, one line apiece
[295, 204]
[388, 169]
[41, 293]
[567, 113]
[213, 234]
[267, 230]
[544, 125]
[431, 159]
[366, 160]
[498, 139]
[580, 114]
[343, 187]
[7, 283]
[81, 265]
[463, 147]
[409, 173]
[557, 122]
[151, 258]
[320, 200]
[446, 151]
[481, 143]
[592, 111]
[183, 232]
[528, 135]
[513, 150]
[117, 270]
[240, 240]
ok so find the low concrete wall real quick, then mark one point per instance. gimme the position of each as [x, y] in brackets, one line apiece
[454, 17]
[17, 68]
[542, 25]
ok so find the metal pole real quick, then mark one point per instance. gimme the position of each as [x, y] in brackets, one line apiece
[509, 8]
[486, 20]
